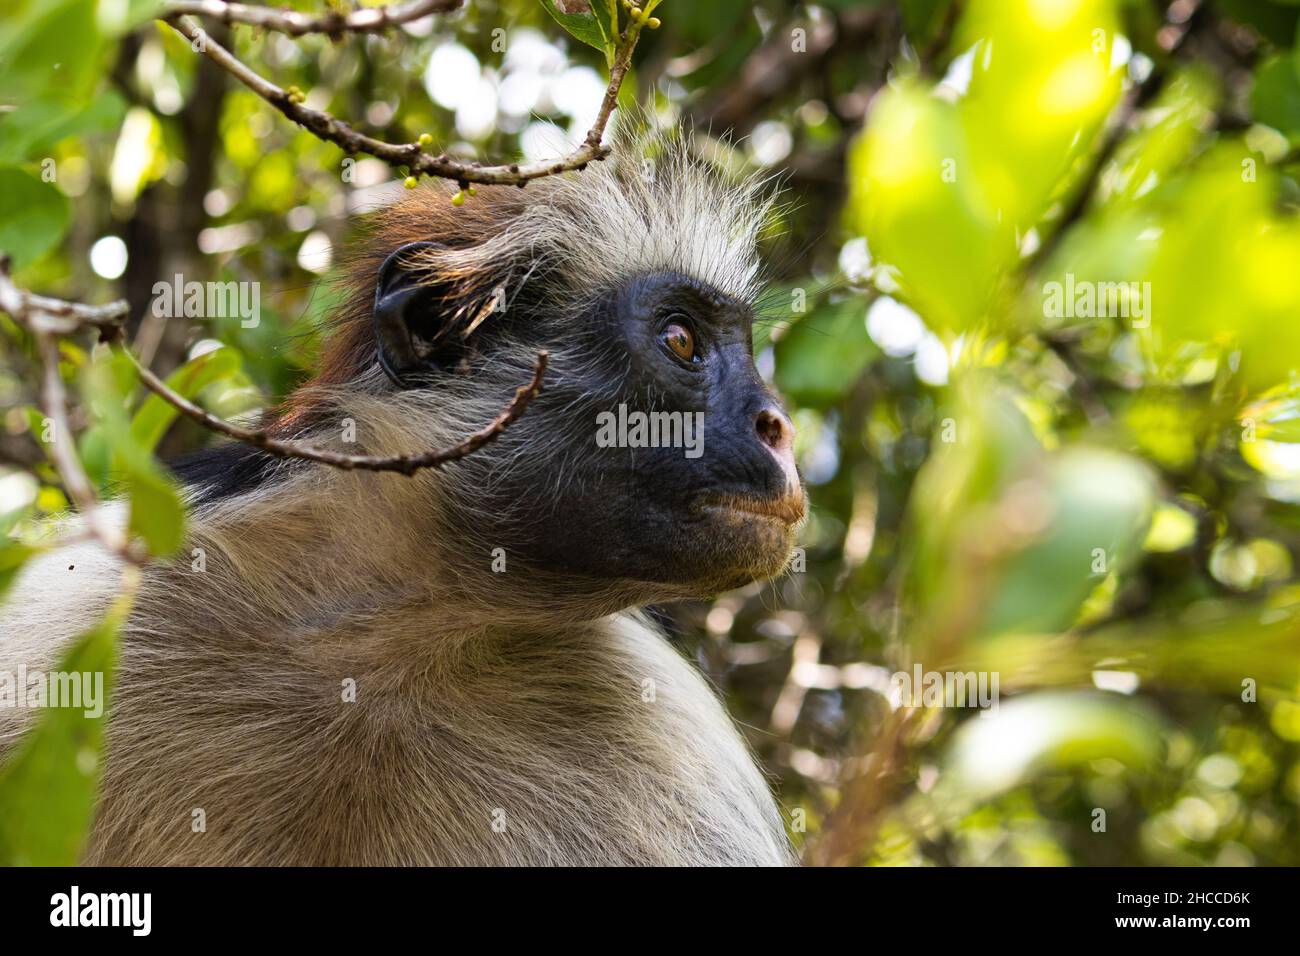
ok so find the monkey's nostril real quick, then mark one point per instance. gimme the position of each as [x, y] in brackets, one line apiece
[774, 429]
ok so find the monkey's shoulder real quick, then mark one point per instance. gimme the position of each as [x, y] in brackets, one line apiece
[593, 744]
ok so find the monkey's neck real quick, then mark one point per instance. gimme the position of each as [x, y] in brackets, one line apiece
[317, 561]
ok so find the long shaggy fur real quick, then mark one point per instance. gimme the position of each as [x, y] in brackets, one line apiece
[499, 718]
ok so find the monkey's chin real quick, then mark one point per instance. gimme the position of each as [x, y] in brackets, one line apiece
[751, 538]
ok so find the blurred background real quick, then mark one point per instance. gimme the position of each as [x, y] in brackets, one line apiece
[1035, 310]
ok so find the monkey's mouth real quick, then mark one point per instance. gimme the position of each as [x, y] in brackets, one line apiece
[788, 509]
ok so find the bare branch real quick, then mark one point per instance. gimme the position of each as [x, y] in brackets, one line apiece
[405, 464]
[333, 23]
[412, 155]
[54, 316]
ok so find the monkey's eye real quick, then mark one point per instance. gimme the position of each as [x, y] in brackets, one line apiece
[680, 341]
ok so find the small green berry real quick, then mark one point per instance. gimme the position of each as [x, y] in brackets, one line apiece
[410, 182]
[653, 23]
[636, 13]
[472, 191]
[425, 140]
[458, 199]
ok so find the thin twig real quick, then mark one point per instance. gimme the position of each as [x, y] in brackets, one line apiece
[411, 155]
[55, 316]
[54, 403]
[405, 464]
[333, 23]
[850, 831]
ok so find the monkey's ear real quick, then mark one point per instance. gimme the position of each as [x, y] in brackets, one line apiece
[405, 318]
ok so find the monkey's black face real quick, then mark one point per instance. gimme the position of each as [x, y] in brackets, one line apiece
[654, 464]
[676, 467]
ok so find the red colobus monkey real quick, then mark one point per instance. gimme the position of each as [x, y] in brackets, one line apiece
[450, 668]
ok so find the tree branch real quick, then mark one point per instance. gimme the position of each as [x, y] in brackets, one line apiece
[333, 23]
[404, 464]
[411, 155]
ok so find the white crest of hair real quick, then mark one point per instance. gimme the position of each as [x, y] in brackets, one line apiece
[491, 725]
[655, 205]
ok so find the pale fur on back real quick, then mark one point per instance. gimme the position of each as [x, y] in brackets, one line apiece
[495, 721]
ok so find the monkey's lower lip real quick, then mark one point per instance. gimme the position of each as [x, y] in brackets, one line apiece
[788, 509]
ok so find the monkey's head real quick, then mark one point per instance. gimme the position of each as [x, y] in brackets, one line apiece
[655, 463]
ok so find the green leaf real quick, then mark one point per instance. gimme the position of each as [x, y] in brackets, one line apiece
[1276, 96]
[593, 28]
[47, 788]
[157, 514]
[1171, 130]
[49, 48]
[1275, 416]
[1096, 507]
[606, 14]
[32, 130]
[155, 415]
[914, 196]
[820, 357]
[96, 452]
[1049, 731]
[33, 216]
[13, 555]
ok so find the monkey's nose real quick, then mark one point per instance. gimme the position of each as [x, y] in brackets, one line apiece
[776, 431]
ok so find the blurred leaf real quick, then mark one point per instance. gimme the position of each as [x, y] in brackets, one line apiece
[157, 514]
[1175, 123]
[1211, 646]
[1223, 270]
[155, 415]
[1051, 731]
[934, 186]
[1275, 99]
[47, 787]
[822, 355]
[36, 126]
[13, 555]
[1276, 416]
[33, 216]
[48, 48]
[1044, 78]
[915, 198]
[1085, 516]
[923, 19]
